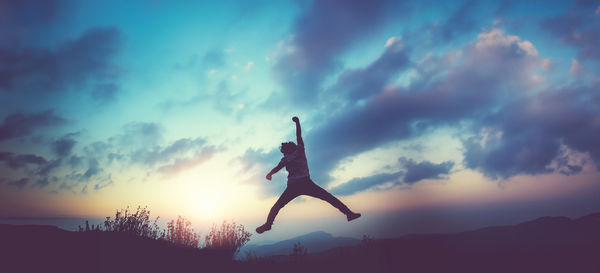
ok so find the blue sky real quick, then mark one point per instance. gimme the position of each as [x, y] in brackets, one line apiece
[406, 106]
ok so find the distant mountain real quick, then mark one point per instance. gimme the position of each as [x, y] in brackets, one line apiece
[547, 244]
[314, 242]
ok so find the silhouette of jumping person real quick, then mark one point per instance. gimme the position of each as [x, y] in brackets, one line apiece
[299, 182]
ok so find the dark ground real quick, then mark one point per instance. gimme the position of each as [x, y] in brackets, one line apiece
[549, 244]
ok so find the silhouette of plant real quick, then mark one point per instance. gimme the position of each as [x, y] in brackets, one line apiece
[137, 223]
[299, 252]
[228, 238]
[250, 256]
[88, 229]
[367, 241]
[181, 233]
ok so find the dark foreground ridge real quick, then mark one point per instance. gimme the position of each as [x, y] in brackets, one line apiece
[548, 244]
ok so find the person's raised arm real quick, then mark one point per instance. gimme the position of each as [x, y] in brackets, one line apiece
[274, 170]
[298, 132]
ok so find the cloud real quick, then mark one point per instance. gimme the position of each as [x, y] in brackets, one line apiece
[18, 161]
[249, 66]
[364, 82]
[72, 64]
[19, 124]
[545, 65]
[63, 146]
[578, 27]
[322, 33]
[184, 163]
[135, 135]
[525, 136]
[139, 145]
[20, 183]
[258, 163]
[364, 183]
[416, 172]
[25, 19]
[575, 68]
[445, 90]
[48, 167]
[93, 169]
[176, 157]
[35, 167]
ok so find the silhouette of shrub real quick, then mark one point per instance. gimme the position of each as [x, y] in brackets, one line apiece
[367, 241]
[299, 251]
[180, 233]
[88, 229]
[227, 239]
[137, 223]
[250, 256]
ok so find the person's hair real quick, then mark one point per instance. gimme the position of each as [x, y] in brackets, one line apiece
[288, 147]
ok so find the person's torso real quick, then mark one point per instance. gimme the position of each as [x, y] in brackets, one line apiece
[296, 164]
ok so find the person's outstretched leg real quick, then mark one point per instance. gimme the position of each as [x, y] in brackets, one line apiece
[287, 196]
[315, 191]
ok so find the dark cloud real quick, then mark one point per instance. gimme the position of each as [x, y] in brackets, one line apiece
[63, 146]
[19, 124]
[18, 161]
[102, 185]
[528, 133]
[74, 63]
[364, 82]
[416, 172]
[446, 29]
[321, 34]
[93, 169]
[364, 183]
[23, 20]
[579, 27]
[447, 89]
[47, 168]
[43, 181]
[20, 183]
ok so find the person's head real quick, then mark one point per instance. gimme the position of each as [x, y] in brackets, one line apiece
[287, 147]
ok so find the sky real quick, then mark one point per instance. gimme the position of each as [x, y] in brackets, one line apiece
[425, 116]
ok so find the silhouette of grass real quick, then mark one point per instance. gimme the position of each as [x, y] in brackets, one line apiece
[180, 233]
[228, 238]
[224, 241]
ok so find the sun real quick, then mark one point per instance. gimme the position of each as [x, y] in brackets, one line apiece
[208, 205]
[204, 199]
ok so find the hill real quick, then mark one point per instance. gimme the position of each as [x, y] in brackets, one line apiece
[548, 244]
[317, 241]
[35, 248]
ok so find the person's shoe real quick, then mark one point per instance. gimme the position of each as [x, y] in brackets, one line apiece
[352, 216]
[263, 228]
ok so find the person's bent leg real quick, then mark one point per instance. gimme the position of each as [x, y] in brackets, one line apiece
[315, 191]
[285, 198]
